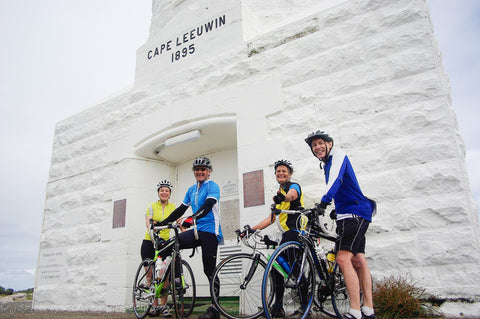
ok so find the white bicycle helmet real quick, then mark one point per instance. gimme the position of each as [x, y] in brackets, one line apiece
[202, 161]
[164, 183]
[284, 162]
[318, 134]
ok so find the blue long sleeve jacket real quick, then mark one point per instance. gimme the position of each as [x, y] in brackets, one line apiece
[343, 187]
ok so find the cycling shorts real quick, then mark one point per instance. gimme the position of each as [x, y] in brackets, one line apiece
[147, 250]
[351, 234]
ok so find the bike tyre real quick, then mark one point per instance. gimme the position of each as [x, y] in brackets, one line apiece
[230, 273]
[183, 292]
[338, 303]
[142, 307]
[290, 304]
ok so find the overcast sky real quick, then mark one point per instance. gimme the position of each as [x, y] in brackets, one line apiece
[59, 57]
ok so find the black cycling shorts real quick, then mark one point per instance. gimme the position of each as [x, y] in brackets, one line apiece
[147, 250]
[351, 233]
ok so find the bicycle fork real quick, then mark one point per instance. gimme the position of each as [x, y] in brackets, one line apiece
[251, 271]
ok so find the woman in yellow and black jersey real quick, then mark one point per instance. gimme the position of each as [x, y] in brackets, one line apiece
[158, 211]
[288, 191]
[288, 197]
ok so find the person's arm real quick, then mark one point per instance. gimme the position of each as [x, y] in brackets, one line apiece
[335, 179]
[205, 208]
[147, 221]
[201, 212]
[148, 216]
[176, 214]
[291, 195]
[264, 223]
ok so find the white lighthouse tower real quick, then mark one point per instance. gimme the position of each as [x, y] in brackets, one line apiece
[243, 82]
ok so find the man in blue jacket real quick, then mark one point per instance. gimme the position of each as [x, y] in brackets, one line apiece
[354, 214]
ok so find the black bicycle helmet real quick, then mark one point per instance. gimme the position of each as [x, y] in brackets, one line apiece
[283, 162]
[318, 134]
[202, 161]
[164, 183]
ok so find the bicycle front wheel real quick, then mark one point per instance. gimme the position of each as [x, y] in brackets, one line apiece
[338, 303]
[293, 282]
[183, 287]
[240, 280]
[143, 296]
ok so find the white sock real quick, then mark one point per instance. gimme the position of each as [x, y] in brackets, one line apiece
[356, 313]
[367, 311]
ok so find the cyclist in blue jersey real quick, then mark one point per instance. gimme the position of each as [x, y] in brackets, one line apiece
[204, 198]
[353, 214]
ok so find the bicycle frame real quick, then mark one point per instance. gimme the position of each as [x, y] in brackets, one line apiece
[296, 272]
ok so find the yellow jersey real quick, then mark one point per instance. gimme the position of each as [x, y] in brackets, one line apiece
[158, 213]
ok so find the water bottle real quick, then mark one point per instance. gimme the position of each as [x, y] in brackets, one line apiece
[161, 266]
[278, 267]
[284, 264]
[320, 252]
[331, 260]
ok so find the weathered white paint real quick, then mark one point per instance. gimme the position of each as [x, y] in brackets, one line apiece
[369, 72]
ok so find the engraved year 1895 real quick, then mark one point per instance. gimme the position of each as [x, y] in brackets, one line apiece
[177, 55]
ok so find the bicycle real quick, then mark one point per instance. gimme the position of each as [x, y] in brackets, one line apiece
[149, 284]
[301, 289]
[240, 277]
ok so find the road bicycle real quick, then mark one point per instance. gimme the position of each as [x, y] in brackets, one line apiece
[177, 281]
[311, 281]
[240, 277]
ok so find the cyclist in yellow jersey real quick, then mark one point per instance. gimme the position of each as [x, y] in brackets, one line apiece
[158, 211]
[289, 197]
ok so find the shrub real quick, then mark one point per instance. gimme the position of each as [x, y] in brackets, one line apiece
[396, 297]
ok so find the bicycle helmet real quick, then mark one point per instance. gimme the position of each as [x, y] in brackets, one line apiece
[202, 161]
[164, 183]
[318, 134]
[283, 162]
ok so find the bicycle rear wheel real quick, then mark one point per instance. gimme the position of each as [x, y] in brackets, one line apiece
[293, 283]
[240, 278]
[337, 303]
[183, 287]
[143, 296]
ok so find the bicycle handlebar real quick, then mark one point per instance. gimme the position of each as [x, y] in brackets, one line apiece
[257, 237]
[317, 229]
[171, 225]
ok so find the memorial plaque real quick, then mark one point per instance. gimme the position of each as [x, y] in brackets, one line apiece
[119, 210]
[52, 266]
[253, 190]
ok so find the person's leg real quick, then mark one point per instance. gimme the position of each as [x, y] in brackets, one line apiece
[147, 251]
[344, 260]
[348, 234]
[289, 235]
[361, 267]
[209, 244]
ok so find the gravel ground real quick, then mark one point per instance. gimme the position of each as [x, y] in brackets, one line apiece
[23, 310]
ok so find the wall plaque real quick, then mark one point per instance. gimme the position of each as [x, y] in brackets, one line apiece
[119, 210]
[253, 189]
[52, 266]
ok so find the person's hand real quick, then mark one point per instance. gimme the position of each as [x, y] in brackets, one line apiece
[320, 211]
[247, 231]
[333, 214]
[279, 198]
[187, 222]
[323, 204]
